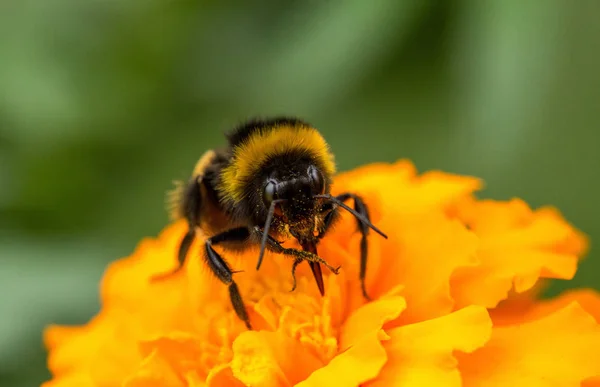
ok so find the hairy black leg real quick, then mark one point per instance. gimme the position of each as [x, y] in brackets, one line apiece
[301, 255]
[222, 270]
[331, 216]
[190, 208]
[308, 254]
[294, 266]
[361, 208]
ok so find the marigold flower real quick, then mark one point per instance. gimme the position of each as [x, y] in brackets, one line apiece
[453, 292]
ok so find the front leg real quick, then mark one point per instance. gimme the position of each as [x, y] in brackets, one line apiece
[191, 202]
[221, 268]
[361, 208]
[298, 255]
[276, 247]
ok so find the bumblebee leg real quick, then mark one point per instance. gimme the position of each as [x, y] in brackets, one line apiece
[222, 270]
[310, 257]
[301, 255]
[361, 208]
[190, 209]
[184, 247]
[296, 263]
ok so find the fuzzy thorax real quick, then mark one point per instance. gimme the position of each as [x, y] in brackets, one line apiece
[251, 154]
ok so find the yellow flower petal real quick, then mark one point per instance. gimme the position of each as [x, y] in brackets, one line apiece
[219, 376]
[422, 354]
[371, 317]
[560, 349]
[181, 351]
[271, 359]
[358, 364]
[79, 379]
[361, 337]
[154, 371]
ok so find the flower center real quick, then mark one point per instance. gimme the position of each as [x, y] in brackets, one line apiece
[303, 314]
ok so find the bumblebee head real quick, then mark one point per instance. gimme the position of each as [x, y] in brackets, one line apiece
[293, 193]
[279, 175]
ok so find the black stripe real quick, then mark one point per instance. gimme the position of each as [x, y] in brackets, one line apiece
[245, 130]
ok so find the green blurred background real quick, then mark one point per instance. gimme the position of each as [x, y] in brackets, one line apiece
[103, 103]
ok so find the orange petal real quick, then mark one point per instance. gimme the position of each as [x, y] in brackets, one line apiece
[560, 349]
[271, 359]
[361, 337]
[424, 248]
[402, 190]
[591, 382]
[367, 181]
[156, 371]
[133, 309]
[588, 299]
[422, 259]
[422, 354]
[73, 347]
[510, 313]
[436, 190]
[102, 349]
[127, 282]
[358, 364]
[370, 317]
[517, 248]
[182, 351]
[219, 377]
[76, 379]
[396, 190]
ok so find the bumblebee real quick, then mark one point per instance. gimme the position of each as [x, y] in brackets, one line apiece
[272, 183]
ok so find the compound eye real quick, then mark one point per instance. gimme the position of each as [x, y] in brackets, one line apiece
[270, 192]
[317, 180]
